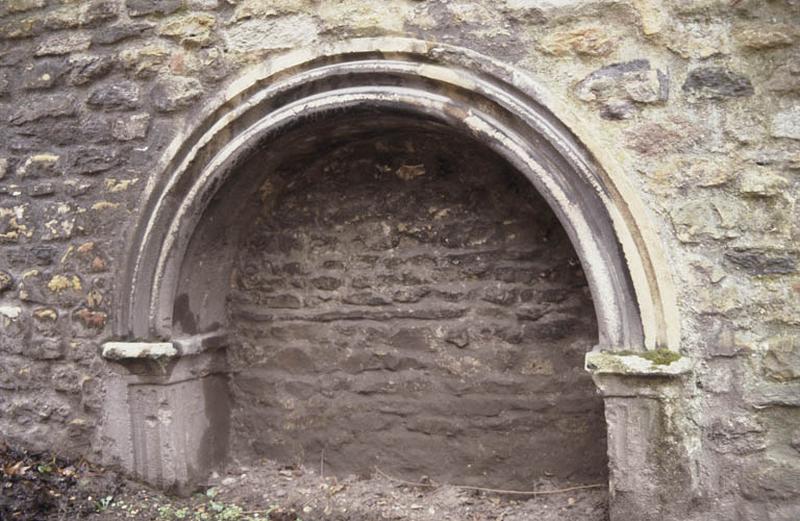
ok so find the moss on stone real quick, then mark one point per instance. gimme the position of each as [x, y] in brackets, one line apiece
[660, 356]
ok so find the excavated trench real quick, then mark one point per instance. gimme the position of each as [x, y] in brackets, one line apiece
[402, 298]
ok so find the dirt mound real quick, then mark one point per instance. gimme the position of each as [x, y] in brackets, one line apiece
[43, 486]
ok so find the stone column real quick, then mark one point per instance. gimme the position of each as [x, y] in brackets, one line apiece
[167, 410]
[650, 437]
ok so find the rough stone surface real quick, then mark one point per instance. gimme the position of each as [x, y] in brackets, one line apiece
[717, 83]
[693, 103]
[421, 299]
[786, 123]
[619, 87]
[149, 7]
[175, 93]
[115, 95]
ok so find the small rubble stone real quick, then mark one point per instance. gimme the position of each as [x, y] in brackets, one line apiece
[762, 184]
[587, 41]
[762, 262]
[83, 14]
[795, 440]
[40, 165]
[134, 126]
[91, 319]
[14, 223]
[782, 360]
[620, 86]
[86, 68]
[785, 78]
[119, 95]
[41, 189]
[43, 74]
[6, 281]
[284, 33]
[699, 39]
[145, 61]
[770, 480]
[58, 222]
[786, 124]
[653, 138]
[148, 7]
[765, 36]
[5, 84]
[93, 160]
[175, 93]
[738, 434]
[64, 43]
[117, 33]
[190, 30]
[20, 6]
[717, 83]
[52, 106]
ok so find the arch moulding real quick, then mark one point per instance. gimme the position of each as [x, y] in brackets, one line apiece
[497, 104]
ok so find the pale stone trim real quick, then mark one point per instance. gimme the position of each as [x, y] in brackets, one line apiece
[607, 362]
[138, 351]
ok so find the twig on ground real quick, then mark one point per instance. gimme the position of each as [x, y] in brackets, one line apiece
[493, 490]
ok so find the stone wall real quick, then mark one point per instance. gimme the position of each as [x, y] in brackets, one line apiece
[698, 101]
[408, 301]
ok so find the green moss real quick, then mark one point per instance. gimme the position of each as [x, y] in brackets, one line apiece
[659, 356]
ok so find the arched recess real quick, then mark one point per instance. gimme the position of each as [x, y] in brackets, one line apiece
[160, 298]
[168, 422]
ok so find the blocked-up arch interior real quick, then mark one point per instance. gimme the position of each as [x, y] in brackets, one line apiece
[398, 297]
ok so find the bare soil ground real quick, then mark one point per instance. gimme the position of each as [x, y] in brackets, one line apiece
[40, 487]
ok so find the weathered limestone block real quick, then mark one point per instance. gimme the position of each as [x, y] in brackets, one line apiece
[46, 106]
[64, 43]
[118, 95]
[146, 60]
[43, 74]
[759, 36]
[276, 33]
[175, 93]
[92, 160]
[149, 7]
[138, 350]
[120, 32]
[589, 40]
[19, 6]
[674, 134]
[6, 281]
[170, 416]
[740, 435]
[130, 127]
[650, 457]
[786, 123]
[716, 83]
[758, 262]
[190, 30]
[698, 39]
[762, 183]
[85, 68]
[268, 8]
[621, 88]
[786, 77]
[782, 359]
[16, 325]
[58, 221]
[771, 480]
[15, 223]
[40, 165]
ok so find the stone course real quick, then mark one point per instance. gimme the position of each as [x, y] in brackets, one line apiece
[698, 101]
